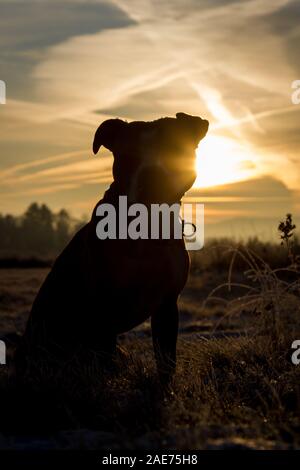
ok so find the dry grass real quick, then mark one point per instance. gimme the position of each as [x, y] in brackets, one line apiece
[235, 385]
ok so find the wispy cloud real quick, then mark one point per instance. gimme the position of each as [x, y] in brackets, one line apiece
[227, 60]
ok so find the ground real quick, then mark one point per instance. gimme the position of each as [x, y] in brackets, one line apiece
[235, 387]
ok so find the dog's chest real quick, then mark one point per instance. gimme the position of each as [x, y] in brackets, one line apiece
[137, 281]
[150, 266]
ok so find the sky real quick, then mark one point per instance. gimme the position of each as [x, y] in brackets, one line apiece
[70, 64]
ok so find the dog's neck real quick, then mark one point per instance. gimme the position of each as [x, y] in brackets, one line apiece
[113, 193]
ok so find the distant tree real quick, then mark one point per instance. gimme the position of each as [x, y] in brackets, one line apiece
[37, 232]
[9, 232]
[37, 229]
[80, 223]
[63, 229]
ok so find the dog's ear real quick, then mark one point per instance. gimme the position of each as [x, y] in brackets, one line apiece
[108, 133]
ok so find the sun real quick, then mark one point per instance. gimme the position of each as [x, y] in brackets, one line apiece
[222, 160]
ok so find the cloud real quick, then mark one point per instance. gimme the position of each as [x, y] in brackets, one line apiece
[28, 28]
[80, 172]
[196, 42]
[71, 64]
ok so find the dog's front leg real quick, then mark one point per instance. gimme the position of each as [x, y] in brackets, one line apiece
[164, 323]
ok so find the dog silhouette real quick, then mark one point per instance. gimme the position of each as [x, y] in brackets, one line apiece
[98, 289]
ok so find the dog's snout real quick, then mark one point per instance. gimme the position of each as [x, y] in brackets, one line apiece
[205, 123]
[204, 127]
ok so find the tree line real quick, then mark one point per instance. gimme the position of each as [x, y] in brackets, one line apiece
[38, 231]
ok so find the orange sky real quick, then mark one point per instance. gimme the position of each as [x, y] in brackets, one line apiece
[69, 65]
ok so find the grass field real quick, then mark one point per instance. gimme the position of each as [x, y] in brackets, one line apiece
[235, 386]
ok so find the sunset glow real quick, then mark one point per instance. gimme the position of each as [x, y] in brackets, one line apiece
[222, 160]
[142, 60]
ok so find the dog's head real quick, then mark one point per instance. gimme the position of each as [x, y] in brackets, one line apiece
[154, 162]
